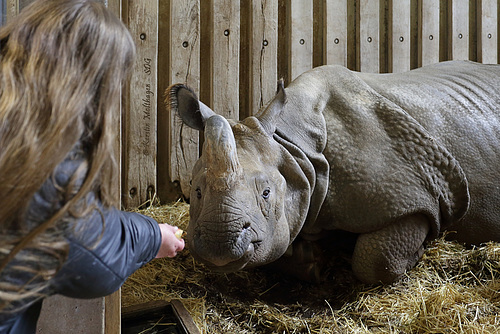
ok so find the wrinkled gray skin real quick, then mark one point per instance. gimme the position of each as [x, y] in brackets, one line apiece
[395, 158]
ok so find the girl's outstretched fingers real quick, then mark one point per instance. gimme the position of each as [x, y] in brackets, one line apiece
[171, 241]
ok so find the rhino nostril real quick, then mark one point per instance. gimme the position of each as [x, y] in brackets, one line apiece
[246, 226]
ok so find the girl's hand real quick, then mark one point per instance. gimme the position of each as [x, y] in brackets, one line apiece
[170, 244]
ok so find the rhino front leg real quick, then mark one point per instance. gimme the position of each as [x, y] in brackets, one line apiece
[386, 254]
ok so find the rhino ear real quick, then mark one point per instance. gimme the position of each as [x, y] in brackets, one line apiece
[181, 99]
[269, 115]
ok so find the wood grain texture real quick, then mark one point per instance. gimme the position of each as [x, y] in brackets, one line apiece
[335, 32]
[263, 52]
[459, 32]
[369, 36]
[112, 313]
[487, 31]
[11, 10]
[300, 42]
[224, 58]
[63, 315]
[140, 110]
[399, 36]
[184, 67]
[428, 39]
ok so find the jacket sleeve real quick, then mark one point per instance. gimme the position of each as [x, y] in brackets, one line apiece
[105, 245]
[102, 254]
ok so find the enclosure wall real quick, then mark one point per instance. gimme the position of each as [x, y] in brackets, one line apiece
[233, 52]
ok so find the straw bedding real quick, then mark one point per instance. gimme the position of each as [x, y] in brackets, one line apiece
[453, 289]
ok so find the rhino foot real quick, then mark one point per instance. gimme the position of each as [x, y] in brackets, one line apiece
[386, 254]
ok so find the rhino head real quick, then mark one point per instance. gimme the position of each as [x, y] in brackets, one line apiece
[249, 196]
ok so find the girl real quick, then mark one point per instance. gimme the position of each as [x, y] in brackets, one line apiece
[62, 64]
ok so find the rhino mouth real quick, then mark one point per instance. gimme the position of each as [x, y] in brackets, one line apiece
[224, 245]
[234, 265]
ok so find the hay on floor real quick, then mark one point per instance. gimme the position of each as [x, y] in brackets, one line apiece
[453, 289]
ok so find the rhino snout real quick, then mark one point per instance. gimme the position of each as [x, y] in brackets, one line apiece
[225, 249]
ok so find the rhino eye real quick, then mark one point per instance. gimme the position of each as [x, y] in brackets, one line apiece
[265, 193]
[198, 193]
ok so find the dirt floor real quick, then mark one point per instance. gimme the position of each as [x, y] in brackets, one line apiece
[453, 289]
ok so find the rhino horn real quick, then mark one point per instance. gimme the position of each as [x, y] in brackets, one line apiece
[223, 167]
[268, 116]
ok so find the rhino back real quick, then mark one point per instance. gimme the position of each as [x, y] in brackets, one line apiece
[454, 101]
[457, 103]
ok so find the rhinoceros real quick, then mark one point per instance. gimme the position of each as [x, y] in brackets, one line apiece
[394, 159]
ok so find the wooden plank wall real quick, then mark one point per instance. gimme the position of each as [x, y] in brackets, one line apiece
[487, 43]
[258, 55]
[179, 33]
[242, 48]
[139, 127]
[458, 16]
[428, 32]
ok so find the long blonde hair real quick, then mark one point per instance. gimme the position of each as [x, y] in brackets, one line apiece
[62, 64]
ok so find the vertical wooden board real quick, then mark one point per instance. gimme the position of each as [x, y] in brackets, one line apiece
[112, 303]
[3, 14]
[246, 58]
[459, 39]
[415, 17]
[75, 316]
[115, 6]
[264, 53]
[474, 28]
[184, 68]
[24, 3]
[444, 30]
[300, 26]
[400, 36]
[206, 24]
[283, 38]
[487, 34]
[319, 24]
[369, 36]
[429, 33]
[225, 44]
[167, 190]
[335, 32]
[385, 31]
[140, 114]
[112, 313]
[352, 35]
[12, 9]
[185, 42]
